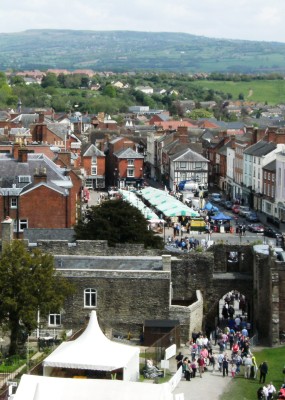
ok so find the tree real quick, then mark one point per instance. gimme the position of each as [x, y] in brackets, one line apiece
[49, 79]
[110, 91]
[29, 283]
[118, 222]
[199, 113]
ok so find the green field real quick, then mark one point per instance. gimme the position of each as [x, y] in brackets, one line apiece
[270, 91]
[245, 389]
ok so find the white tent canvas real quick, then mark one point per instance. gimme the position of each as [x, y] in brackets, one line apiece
[94, 351]
[33, 387]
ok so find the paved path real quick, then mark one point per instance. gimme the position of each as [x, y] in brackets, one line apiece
[210, 386]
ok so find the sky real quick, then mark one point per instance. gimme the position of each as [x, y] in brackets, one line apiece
[260, 20]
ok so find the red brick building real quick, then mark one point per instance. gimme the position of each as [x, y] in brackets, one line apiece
[93, 162]
[128, 169]
[36, 193]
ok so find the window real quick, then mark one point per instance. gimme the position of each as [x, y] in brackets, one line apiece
[183, 164]
[15, 226]
[24, 179]
[130, 172]
[264, 188]
[90, 298]
[268, 176]
[14, 202]
[131, 162]
[23, 224]
[93, 170]
[94, 160]
[54, 320]
[272, 191]
[273, 177]
[265, 175]
[268, 190]
[89, 183]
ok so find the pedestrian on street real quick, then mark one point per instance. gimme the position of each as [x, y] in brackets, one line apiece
[263, 368]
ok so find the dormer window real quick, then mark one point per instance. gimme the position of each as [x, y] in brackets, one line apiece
[130, 162]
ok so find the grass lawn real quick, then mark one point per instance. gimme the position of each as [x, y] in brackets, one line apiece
[245, 389]
[258, 91]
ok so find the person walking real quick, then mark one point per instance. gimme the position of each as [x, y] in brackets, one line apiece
[247, 366]
[179, 360]
[263, 368]
[271, 390]
[225, 366]
[201, 364]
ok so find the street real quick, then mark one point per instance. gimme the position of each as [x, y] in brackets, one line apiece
[215, 237]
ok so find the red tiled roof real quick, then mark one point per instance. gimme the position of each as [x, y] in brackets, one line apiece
[173, 124]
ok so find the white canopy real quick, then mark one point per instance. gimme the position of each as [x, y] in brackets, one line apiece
[93, 351]
[34, 387]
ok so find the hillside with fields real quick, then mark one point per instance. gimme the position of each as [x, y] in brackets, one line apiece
[137, 51]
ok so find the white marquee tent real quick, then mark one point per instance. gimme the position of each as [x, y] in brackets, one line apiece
[34, 387]
[94, 351]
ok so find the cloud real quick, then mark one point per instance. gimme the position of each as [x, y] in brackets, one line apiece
[236, 19]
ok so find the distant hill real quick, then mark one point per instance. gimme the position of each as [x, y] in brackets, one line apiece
[137, 51]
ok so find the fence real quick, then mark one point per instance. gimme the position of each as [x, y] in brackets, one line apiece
[157, 350]
[253, 340]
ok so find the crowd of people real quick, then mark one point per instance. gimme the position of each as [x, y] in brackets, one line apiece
[227, 351]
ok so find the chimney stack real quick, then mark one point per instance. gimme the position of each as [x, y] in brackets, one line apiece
[40, 175]
[23, 155]
[7, 231]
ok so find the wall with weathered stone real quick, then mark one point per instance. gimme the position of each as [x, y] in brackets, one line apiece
[281, 274]
[125, 299]
[93, 247]
[191, 317]
[263, 292]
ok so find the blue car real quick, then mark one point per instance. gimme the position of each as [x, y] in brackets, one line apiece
[252, 217]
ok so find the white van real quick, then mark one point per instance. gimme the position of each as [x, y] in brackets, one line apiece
[216, 197]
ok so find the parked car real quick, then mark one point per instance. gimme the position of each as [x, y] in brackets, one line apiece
[244, 210]
[235, 208]
[216, 197]
[252, 217]
[273, 233]
[258, 228]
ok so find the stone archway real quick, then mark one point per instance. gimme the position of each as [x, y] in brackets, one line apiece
[219, 290]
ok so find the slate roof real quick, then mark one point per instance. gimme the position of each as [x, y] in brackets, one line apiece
[61, 130]
[11, 169]
[109, 263]
[20, 131]
[188, 155]
[223, 149]
[261, 148]
[35, 234]
[26, 119]
[128, 153]
[176, 147]
[270, 166]
[4, 116]
[93, 151]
